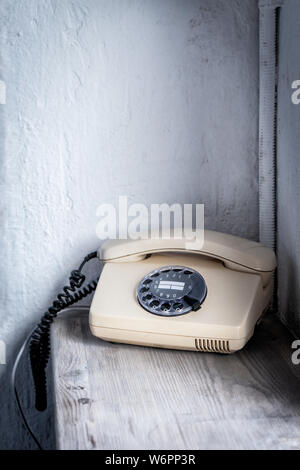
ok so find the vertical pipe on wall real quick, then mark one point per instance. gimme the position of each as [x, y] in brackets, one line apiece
[268, 55]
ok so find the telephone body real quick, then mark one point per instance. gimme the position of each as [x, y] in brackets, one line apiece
[171, 293]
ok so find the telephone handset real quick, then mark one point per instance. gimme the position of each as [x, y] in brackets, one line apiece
[178, 294]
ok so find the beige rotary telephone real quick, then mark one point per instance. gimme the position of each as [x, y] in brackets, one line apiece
[171, 293]
[168, 293]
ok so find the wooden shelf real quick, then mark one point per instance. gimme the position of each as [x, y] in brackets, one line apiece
[114, 396]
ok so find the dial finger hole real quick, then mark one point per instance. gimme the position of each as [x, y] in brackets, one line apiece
[177, 306]
[165, 307]
[144, 289]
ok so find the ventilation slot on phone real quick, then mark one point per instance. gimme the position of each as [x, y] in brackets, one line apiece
[212, 345]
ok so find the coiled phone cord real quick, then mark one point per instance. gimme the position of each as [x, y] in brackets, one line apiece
[39, 346]
[39, 338]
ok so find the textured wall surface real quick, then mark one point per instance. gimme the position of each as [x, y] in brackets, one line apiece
[289, 167]
[156, 100]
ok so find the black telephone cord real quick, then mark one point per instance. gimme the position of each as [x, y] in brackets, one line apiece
[39, 338]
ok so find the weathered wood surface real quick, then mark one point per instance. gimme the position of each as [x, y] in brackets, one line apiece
[113, 396]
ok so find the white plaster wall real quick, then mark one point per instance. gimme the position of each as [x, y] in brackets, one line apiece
[156, 100]
[289, 168]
